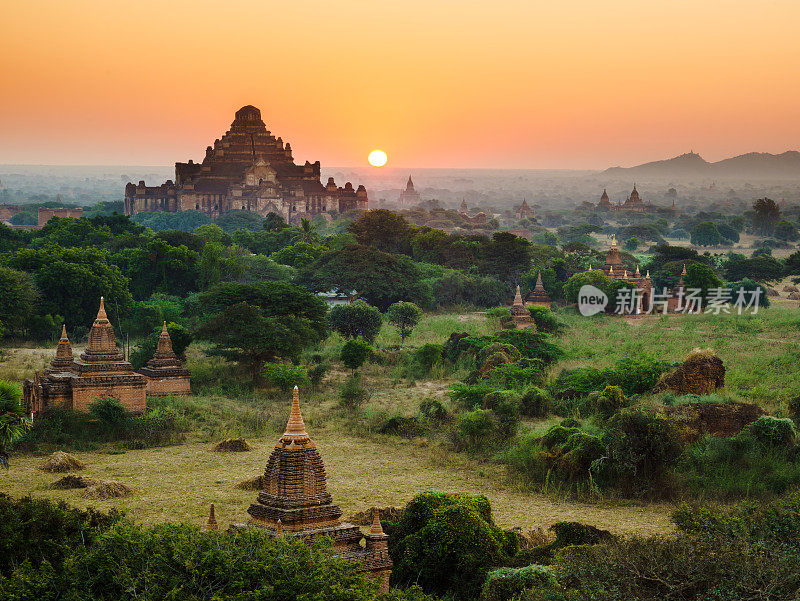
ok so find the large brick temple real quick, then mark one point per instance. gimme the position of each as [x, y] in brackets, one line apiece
[247, 169]
[295, 501]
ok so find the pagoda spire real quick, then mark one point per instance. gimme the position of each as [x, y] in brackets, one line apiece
[518, 297]
[295, 427]
[212, 525]
[613, 240]
[376, 528]
[101, 312]
[539, 284]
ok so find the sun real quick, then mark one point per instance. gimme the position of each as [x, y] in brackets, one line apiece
[377, 158]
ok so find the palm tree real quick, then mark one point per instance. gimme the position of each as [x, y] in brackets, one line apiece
[12, 423]
[308, 231]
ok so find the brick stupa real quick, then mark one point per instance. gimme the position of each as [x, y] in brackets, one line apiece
[520, 316]
[101, 371]
[538, 296]
[165, 373]
[295, 501]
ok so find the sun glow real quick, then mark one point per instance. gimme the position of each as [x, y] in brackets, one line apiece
[377, 158]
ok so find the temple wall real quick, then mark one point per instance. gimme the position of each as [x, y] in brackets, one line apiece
[131, 396]
[46, 215]
[168, 385]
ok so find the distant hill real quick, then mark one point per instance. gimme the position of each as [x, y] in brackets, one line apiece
[691, 164]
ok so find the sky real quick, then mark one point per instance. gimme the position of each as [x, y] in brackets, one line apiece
[529, 84]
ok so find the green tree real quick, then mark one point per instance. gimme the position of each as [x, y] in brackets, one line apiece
[240, 220]
[17, 300]
[506, 257]
[631, 244]
[261, 321]
[405, 317]
[354, 353]
[786, 230]
[384, 230]
[356, 319]
[766, 215]
[308, 232]
[298, 255]
[706, 233]
[701, 277]
[12, 422]
[286, 376]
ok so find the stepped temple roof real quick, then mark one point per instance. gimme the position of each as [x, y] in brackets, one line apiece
[165, 372]
[538, 296]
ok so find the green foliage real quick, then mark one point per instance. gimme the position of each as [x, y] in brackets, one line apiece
[447, 543]
[608, 402]
[631, 244]
[766, 215]
[18, 299]
[528, 372]
[503, 584]
[352, 394]
[706, 234]
[470, 396]
[545, 320]
[786, 230]
[771, 431]
[475, 430]
[427, 356]
[633, 375]
[354, 353]
[111, 416]
[355, 319]
[261, 321]
[298, 255]
[240, 220]
[433, 410]
[405, 317]
[286, 376]
[466, 289]
[385, 230]
[146, 348]
[535, 402]
[158, 221]
[531, 344]
[506, 257]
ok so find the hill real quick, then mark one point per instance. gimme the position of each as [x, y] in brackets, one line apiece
[691, 164]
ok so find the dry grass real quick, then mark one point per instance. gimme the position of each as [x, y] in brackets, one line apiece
[108, 490]
[72, 481]
[231, 445]
[178, 484]
[60, 462]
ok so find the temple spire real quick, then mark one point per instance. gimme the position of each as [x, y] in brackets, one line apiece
[376, 528]
[518, 297]
[613, 240]
[539, 281]
[101, 312]
[295, 427]
[212, 525]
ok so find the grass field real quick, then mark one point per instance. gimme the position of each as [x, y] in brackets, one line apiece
[364, 469]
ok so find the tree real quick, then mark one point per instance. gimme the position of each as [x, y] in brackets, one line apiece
[261, 321]
[182, 220]
[308, 232]
[273, 222]
[702, 277]
[298, 255]
[12, 422]
[506, 257]
[766, 215]
[286, 376]
[379, 278]
[786, 230]
[384, 230]
[354, 353]
[23, 218]
[405, 317]
[355, 319]
[727, 231]
[17, 300]
[631, 244]
[240, 220]
[706, 233]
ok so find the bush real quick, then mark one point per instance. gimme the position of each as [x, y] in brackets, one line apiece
[607, 403]
[545, 320]
[504, 583]
[407, 427]
[572, 383]
[505, 406]
[353, 395]
[354, 353]
[531, 344]
[772, 432]
[358, 319]
[111, 415]
[535, 402]
[433, 411]
[285, 376]
[427, 356]
[528, 372]
[470, 396]
[475, 430]
[317, 373]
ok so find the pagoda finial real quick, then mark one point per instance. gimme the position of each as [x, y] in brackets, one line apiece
[625, 274]
[684, 269]
[611, 270]
[539, 280]
[164, 329]
[212, 520]
[64, 333]
[638, 274]
[647, 277]
[613, 240]
[279, 528]
[518, 296]
[101, 313]
[295, 427]
[376, 528]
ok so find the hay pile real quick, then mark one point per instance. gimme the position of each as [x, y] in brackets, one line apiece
[108, 490]
[794, 296]
[256, 483]
[772, 292]
[231, 445]
[702, 372]
[723, 420]
[73, 481]
[60, 462]
[789, 288]
[388, 514]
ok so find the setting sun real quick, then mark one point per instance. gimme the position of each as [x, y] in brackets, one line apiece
[377, 158]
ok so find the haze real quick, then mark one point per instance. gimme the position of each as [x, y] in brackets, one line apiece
[574, 84]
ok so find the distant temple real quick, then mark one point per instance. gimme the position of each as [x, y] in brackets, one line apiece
[409, 196]
[102, 371]
[633, 203]
[524, 211]
[295, 501]
[538, 297]
[247, 169]
[615, 270]
[605, 202]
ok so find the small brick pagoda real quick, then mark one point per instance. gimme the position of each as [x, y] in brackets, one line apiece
[101, 371]
[295, 501]
[520, 316]
[164, 372]
[615, 270]
[538, 297]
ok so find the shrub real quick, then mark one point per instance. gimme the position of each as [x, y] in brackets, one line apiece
[505, 406]
[433, 410]
[535, 402]
[470, 396]
[475, 430]
[407, 427]
[545, 320]
[607, 403]
[528, 372]
[404, 316]
[427, 356]
[793, 407]
[572, 383]
[531, 344]
[354, 353]
[111, 416]
[358, 319]
[353, 394]
[285, 376]
[504, 583]
[317, 373]
[635, 376]
[772, 431]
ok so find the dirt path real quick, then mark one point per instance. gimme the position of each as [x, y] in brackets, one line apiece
[178, 484]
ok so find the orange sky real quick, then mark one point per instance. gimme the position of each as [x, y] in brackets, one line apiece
[435, 83]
